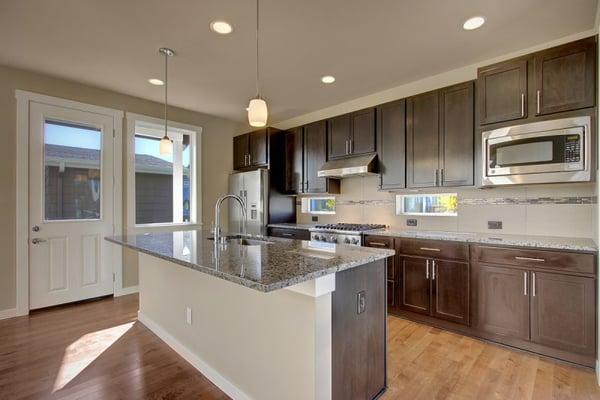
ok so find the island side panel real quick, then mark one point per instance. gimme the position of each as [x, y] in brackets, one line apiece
[359, 337]
[252, 345]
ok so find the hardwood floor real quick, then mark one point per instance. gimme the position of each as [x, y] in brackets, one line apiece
[97, 350]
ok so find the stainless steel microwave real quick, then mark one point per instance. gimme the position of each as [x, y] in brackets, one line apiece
[541, 152]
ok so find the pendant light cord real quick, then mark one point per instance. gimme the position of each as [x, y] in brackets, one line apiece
[166, 86]
[257, 38]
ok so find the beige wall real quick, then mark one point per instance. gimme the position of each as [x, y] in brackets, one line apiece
[216, 155]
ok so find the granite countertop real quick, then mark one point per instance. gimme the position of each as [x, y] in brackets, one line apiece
[288, 225]
[268, 267]
[533, 241]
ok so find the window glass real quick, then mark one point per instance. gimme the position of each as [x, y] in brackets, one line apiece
[318, 205]
[445, 204]
[186, 178]
[72, 164]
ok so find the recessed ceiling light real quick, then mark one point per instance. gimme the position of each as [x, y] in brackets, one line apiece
[328, 79]
[156, 82]
[221, 27]
[473, 23]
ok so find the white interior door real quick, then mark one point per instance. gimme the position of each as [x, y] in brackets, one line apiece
[70, 205]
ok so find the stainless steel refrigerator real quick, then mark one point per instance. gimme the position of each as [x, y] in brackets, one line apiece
[253, 188]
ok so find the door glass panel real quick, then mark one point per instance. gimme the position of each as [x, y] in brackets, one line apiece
[186, 184]
[72, 162]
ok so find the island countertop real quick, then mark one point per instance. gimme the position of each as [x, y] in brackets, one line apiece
[267, 267]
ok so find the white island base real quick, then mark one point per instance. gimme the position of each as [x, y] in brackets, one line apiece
[252, 345]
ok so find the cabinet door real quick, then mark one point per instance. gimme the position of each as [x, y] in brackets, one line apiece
[502, 300]
[315, 155]
[296, 164]
[422, 130]
[565, 77]
[240, 151]
[502, 92]
[563, 312]
[363, 131]
[338, 133]
[258, 148]
[415, 293]
[391, 138]
[450, 291]
[456, 135]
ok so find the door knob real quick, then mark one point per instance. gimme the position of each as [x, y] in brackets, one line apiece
[36, 240]
[35, 228]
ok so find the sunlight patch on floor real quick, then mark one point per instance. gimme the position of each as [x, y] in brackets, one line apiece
[81, 353]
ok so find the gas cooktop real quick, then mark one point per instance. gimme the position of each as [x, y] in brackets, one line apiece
[350, 227]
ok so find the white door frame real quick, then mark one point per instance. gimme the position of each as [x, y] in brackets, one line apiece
[24, 98]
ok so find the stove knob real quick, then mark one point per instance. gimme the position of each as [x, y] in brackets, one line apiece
[355, 241]
[347, 241]
[316, 237]
[333, 239]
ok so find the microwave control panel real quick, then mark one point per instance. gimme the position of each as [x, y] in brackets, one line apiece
[572, 149]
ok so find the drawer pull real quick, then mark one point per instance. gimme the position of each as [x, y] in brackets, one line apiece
[529, 259]
[377, 244]
[429, 249]
[524, 283]
[287, 234]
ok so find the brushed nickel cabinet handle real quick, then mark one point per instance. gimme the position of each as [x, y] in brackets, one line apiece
[287, 234]
[351, 146]
[433, 270]
[524, 283]
[522, 104]
[249, 159]
[378, 244]
[428, 249]
[427, 269]
[537, 101]
[533, 284]
[529, 259]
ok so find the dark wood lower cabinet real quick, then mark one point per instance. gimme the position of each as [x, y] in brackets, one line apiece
[450, 291]
[415, 292]
[359, 338]
[501, 301]
[563, 312]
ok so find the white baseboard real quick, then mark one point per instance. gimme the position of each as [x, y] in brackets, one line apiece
[219, 380]
[126, 291]
[10, 313]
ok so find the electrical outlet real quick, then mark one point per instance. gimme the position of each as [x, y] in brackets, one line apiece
[494, 224]
[411, 222]
[188, 316]
[315, 218]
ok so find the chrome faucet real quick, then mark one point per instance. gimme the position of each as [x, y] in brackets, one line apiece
[217, 227]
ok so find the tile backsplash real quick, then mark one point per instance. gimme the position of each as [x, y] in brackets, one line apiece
[551, 210]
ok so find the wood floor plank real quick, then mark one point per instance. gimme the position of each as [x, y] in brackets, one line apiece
[97, 350]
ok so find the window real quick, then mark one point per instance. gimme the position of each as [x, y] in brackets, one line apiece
[445, 204]
[72, 160]
[318, 205]
[164, 188]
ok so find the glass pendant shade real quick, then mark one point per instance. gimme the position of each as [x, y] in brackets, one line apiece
[257, 112]
[166, 146]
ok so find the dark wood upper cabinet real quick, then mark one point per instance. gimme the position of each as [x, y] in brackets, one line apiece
[415, 291]
[294, 165]
[240, 152]
[422, 140]
[450, 291]
[315, 155]
[457, 135]
[338, 133]
[563, 312]
[363, 131]
[502, 301]
[391, 144]
[502, 92]
[258, 148]
[351, 134]
[565, 77]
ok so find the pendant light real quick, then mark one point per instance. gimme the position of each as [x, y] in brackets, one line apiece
[166, 144]
[257, 109]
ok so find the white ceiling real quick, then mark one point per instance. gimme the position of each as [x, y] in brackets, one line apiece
[367, 45]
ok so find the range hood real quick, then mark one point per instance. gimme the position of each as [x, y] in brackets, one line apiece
[351, 166]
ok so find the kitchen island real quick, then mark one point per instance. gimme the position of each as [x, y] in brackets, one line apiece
[268, 318]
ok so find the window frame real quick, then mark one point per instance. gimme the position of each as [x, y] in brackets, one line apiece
[306, 205]
[154, 127]
[400, 205]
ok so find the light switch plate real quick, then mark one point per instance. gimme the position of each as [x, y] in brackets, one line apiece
[494, 224]
[411, 222]
[315, 218]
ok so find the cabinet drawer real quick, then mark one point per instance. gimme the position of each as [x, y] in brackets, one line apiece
[298, 234]
[532, 258]
[382, 242]
[434, 249]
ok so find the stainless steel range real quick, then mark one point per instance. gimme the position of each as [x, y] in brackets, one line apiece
[351, 234]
